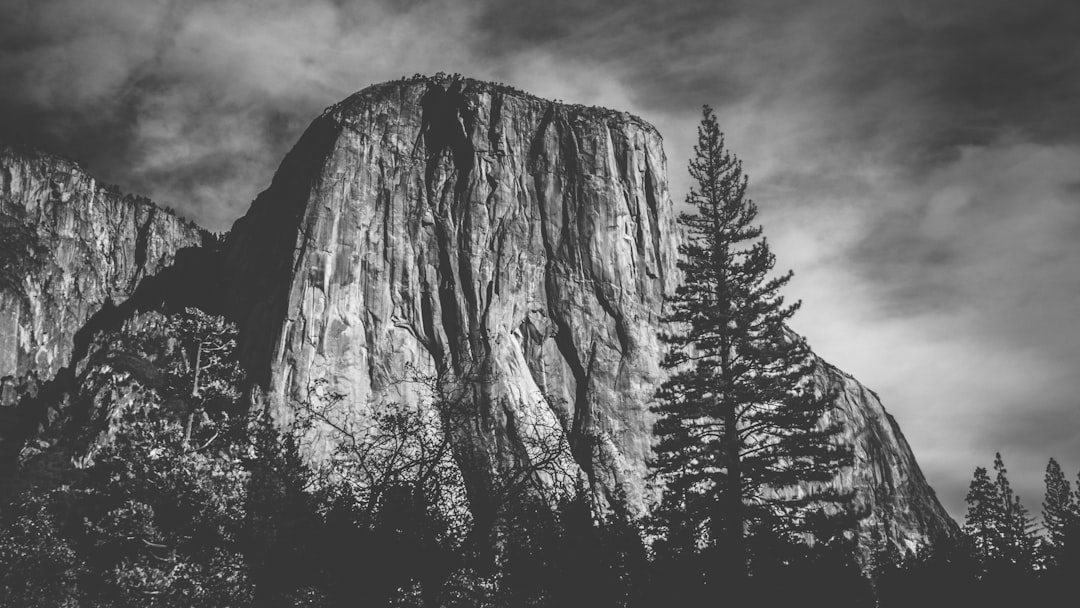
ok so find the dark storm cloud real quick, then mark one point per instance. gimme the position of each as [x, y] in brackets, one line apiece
[1007, 63]
[194, 103]
[113, 87]
[672, 55]
[973, 67]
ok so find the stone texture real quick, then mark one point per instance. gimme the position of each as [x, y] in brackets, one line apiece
[891, 494]
[542, 268]
[92, 248]
[534, 254]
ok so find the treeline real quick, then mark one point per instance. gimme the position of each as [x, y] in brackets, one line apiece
[160, 489]
[1001, 558]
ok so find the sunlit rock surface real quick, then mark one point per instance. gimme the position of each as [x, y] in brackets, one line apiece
[528, 244]
[72, 249]
[541, 267]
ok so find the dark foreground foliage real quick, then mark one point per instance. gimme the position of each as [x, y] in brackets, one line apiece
[165, 492]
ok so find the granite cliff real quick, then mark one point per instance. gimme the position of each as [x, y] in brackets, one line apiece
[76, 246]
[519, 248]
[77, 256]
[892, 497]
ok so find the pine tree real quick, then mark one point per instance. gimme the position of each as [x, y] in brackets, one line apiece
[740, 421]
[997, 522]
[1019, 535]
[1059, 508]
[983, 515]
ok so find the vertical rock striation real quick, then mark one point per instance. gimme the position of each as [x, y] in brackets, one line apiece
[519, 246]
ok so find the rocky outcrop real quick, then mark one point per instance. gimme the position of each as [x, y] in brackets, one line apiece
[891, 495]
[73, 255]
[534, 253]
[519, 247]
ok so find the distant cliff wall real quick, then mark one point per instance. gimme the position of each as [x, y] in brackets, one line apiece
[895, 500]
[73, 254]
[91, 246]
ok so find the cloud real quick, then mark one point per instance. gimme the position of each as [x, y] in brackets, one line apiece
[953, 296]
[194, 103]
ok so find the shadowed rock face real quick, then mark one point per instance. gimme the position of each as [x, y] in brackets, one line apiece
[498, 236]
[75, 250]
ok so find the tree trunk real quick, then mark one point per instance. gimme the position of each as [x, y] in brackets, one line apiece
[194, 393]
[198, 366]
[187, 428]
[729, 530]
[733, 551]
[735, 543]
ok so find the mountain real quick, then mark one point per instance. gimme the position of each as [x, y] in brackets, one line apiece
[75, 256]
[72, 247]
[513, 249]
[519, 250]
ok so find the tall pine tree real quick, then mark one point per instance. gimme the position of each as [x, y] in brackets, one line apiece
[997, 523]
[983, 512]
[1058, 510]
[1019, 526]
[740, 421]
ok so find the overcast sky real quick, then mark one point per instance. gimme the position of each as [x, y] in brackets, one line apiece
[917, 163]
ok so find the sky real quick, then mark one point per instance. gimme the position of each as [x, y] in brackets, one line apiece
[916, 163]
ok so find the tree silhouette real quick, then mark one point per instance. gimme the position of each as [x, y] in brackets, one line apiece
[1061, 514]
[396, 477]
[741, 423]
[998, 524]
[139, 517]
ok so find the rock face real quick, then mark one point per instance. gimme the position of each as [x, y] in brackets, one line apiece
[891, 495]
[72, 256]
[531, 253]
[517, 246]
